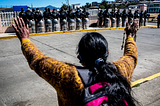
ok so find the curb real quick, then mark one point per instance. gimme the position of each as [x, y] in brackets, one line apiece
[74, 31]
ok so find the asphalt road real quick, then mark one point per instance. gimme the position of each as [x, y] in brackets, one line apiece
[20, 86]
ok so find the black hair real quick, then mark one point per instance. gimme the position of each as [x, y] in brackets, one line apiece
[93, 46]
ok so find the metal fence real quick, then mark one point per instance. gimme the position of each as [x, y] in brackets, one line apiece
[7, 18]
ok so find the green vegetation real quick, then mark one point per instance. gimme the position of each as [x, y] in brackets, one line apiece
[104, 4]
[65, 6]
[121, 6]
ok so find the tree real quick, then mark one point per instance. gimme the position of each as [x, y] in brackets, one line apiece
[121, 6]
[83, 7]
[88, 5]
[65, 6]
[101, 6]
[104, 3]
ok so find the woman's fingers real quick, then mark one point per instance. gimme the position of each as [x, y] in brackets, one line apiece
[23, 24]
[19, 21]
[14, 28]
[27, 27]
[16, 23]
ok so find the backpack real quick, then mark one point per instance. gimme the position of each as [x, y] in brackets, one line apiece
[94, 94]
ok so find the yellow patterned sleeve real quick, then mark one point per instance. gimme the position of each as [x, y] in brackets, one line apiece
[58, 74]
[127, 63]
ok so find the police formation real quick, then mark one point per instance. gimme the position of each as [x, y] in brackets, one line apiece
[119, 19]
[48, 21]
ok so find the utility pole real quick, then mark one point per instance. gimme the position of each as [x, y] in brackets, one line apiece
[67, 1]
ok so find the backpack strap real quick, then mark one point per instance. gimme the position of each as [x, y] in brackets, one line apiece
[86, 76]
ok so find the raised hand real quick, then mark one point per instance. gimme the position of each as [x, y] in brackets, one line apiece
[131, 31]
[21, 30]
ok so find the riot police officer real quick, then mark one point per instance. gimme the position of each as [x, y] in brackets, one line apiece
[100, 15]
[54, 14]
[158, 20]
[37, 17]
[78, 19]
[33, 11]
[106, 16]
[112, 16]
[29, 16]
[146, 16]
[63, 22]
[130, 17]
[141, 18]
[22, 14]
[136, 14]
[54, 17]
[85, 19]
[118, 17]
[47, 21]
[30, 20]
[45, 14]
[124, 16]
[70, 19]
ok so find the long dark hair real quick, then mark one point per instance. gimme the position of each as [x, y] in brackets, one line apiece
[92, 47]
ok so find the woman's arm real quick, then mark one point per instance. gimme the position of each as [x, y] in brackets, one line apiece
[127, 63]
[52, 70]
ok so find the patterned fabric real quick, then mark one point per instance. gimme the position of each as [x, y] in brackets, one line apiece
[64, 77]
[127, 63]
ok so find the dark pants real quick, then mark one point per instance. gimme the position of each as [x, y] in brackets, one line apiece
[83, 23]
[129, 21]
[118, 20]
[123, 22]
[36, 25]
[140, 21]
[61, 24]
[158, 24]
[144, 21]
[100, 22]
[45, 21]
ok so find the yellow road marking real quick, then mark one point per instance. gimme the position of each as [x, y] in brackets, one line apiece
[142, 80]
[61, 32]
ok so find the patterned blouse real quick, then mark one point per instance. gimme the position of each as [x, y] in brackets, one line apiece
[64, 77]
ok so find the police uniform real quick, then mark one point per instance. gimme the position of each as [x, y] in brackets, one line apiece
[130, 16]
[118, 16]
[63, 15]
[84, 16]
[70, 17]
[38, 17]
[141, 16]
[29, 16]
[78, 18]
[124, 16]
[100, 15]
[22, 15]
[146, 16]
[112, 16]
[54, 17]
[136, 15]
[46, 16]
[105, 15]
